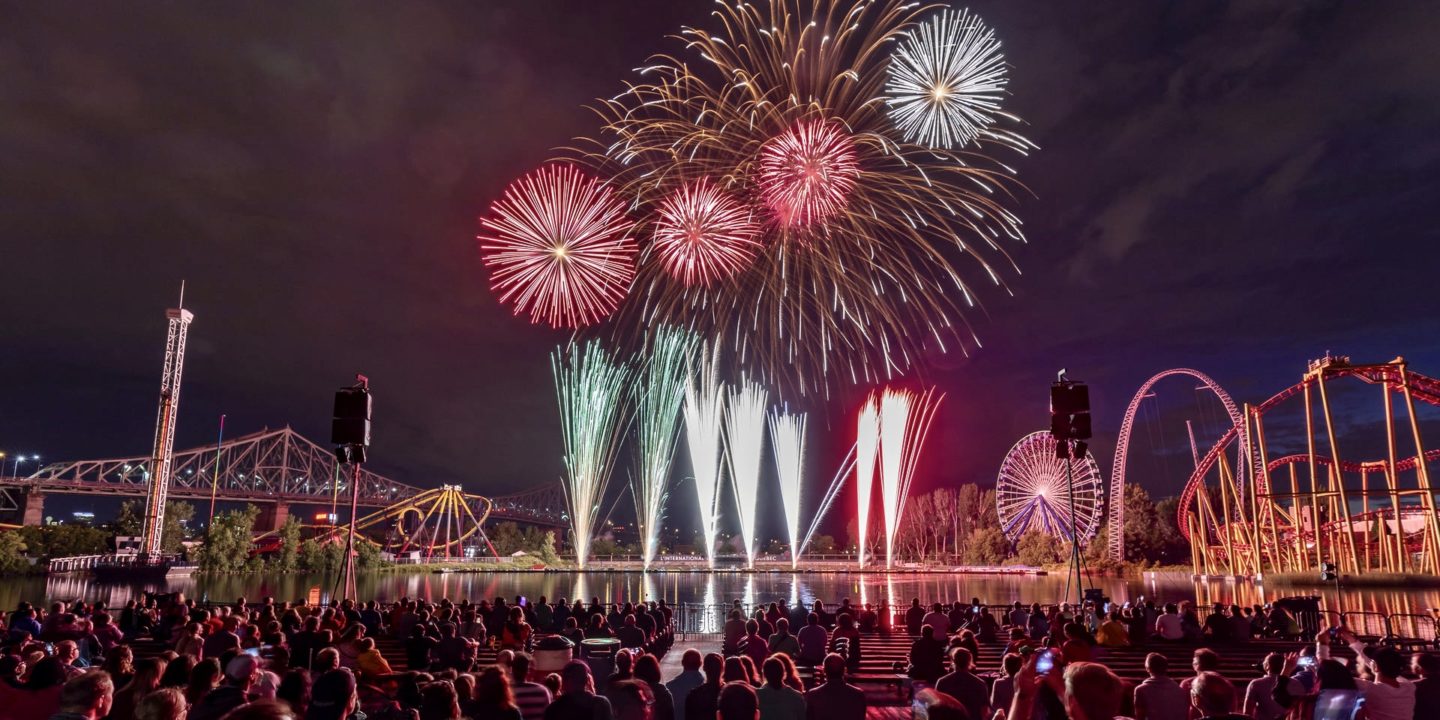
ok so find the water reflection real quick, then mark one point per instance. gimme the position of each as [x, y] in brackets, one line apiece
[717, 588]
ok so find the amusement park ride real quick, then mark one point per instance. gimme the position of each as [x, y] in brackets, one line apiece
[1248, 511]
[445, 523]
[1306, 509]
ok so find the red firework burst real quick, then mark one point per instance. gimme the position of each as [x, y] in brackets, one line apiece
[559, 247]
[703, 235]
[807, 172]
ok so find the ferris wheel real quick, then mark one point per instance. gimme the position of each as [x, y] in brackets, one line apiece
[1032, 492]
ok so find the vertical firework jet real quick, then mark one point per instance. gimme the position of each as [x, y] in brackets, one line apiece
[787, 437]
[704, 422]
[905, 419]
[659, 393]
[745, 446]
[591, 388]
[867, 448]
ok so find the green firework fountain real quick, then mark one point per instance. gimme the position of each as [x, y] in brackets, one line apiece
[659, 394]
[591, 388]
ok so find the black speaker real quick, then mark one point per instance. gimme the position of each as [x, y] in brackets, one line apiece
[1069, 398]
[1070, 411]
[351, 423]
[352, 402]
[350, 431]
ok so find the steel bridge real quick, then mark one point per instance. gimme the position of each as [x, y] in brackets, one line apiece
[271, 468]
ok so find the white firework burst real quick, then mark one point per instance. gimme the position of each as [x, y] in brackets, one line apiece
[946, 79]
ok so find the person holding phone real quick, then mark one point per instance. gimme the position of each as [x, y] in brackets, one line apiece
[1085, 690]
[1339, 697]
[1390, 696]
[1260, 696]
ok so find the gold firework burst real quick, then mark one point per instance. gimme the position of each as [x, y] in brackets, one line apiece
[860, 291]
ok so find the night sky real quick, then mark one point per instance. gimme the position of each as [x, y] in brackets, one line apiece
[1234, 187]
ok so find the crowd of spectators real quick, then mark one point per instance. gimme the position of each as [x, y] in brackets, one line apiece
[291, 661]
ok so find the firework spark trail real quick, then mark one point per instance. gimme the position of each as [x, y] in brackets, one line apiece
[745, 448]
[560, 247]
[837, 483]
[858, 280]
[659, 394]
[946, 80]
[905, 419]
[867, 449]
[704, 412]
[787, 437]
[591, 388]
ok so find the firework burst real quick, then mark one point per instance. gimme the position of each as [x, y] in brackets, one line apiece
[704, 422]
[874, 242]
[807, 172]
[559, 247]
[591, 388]
[745, 447]
[946, 80]
[659, 393]
[702, 235]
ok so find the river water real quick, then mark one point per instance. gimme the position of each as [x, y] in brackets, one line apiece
[710, 588]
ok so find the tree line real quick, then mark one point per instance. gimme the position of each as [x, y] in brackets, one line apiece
[961, 526]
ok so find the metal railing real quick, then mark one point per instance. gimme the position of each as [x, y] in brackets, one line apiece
[406, 559]
[77, 563]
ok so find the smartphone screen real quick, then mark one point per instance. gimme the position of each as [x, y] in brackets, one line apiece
[1337, 705]
[1046, 662]
[919, 710]
[255, 651]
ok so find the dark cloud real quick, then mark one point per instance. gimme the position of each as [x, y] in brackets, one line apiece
[1231, 186]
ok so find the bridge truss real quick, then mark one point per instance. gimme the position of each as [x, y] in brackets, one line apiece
[269, 466]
